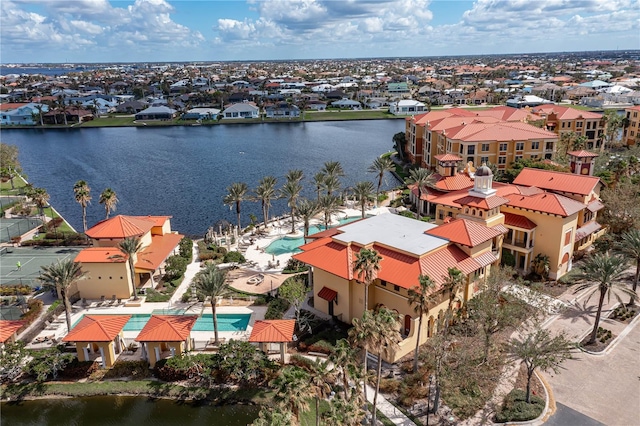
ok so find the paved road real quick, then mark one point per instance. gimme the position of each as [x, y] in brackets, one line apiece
[565, 416]
[604, 388]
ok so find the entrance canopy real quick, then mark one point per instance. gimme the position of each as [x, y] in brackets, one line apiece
[328, 294]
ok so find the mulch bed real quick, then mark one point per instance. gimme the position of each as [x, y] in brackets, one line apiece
[634, 309]
[598, 346]
[521, 382]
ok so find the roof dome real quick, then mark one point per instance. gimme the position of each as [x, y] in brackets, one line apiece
[484, 171]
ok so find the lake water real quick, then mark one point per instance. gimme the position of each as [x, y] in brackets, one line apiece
[184, 171]
[123, 411]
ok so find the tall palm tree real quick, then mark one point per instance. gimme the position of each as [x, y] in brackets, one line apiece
[291, 191]
[211, 283]
[40, 196]
[421, 298]
[319, 373]
[306, 210]
[235, 195]
[365, 270]
[131, 246]
[333, 168]
[40, 108]
[61, 276]
[319, 182]
[292, 388]
[82, 194]
[421, 178]
[265, 193]
[602, 273]
[380, 166]
[329, 205]
[342, 357]
[331, 184]
[378, 333]
[629, 246]
[452, 284]
[109, 198]
[363, 192]
[294, 175]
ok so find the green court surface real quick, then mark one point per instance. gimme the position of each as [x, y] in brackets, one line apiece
[10, 228]
[31, 259]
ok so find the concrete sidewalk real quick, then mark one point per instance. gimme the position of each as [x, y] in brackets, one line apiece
[389, 410]
[192, 269]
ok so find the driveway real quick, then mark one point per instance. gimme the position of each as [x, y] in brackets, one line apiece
[605, 388]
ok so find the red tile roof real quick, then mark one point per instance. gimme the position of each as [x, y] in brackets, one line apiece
[167, 328]
[97, 328]
[273, 331]
[447, 157]
[397, 268]
[326, 233]
[453, 183]
[12, 105]
[566, 113]
[586, 230]
[546, 203]
[465, 232]
[557, 181]
[435, 264]
[120, 227]
[501, 132]
[327, 294]
[327, 255]
[482, 203]
[152, 256]
[8, 327]
[583, 153]
[518, 221]
[101, 255]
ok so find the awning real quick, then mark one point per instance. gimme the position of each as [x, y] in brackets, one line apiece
[485, 259]
[328, 294]
[587, 229]
[500, 228]
[594, 206]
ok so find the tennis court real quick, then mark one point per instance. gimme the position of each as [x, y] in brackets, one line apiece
[31, 259]
[10, 228]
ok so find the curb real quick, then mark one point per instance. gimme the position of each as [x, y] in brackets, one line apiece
[547, 411]
[614, 342]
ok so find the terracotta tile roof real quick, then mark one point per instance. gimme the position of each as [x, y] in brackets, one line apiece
[507, 113]
[158, 220]
[482, 203]
[397, 268]
[500, 228]
[583, 153]
[485, 259]
[8, 327]
[547, 202]
[273, 331]
[101, 255]
[595, 206]
[422, 119]
[97, 328]
[447, 157]
[518, 221]
[167, 328]
[327, 294]
[566, 113]
[453, 183]
[587, 229]
[465, 232]
[326, 233]
[435, 264]
[120, 227]
[327, 255]
[557, 181]
[501, 132]
[152, 256]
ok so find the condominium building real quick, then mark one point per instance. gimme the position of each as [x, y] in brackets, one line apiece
[631, 132]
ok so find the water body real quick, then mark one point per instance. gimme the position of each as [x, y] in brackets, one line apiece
[52, 71]
[184, 171]
[123, 411]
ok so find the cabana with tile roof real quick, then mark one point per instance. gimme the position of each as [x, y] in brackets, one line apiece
[99, 334]
[9, 331]
[166, 335]
[266, 332]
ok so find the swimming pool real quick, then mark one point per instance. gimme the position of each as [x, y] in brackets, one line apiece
[226, 322]
[286, 245]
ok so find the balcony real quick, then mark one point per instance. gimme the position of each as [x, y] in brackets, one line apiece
[518, 243]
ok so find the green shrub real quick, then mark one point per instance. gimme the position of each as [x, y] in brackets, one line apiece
[508, 259]
[408, 213]
[186, 249]
[276, 309]
[77, 370]
[293, 266]
[516, 409]
[176, 267]
[234, 256]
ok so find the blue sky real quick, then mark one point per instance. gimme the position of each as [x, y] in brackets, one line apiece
[213, 30]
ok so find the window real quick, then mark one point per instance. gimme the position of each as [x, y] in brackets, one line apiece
[535, 145]
[579, 124]
[519, 146]
[502, 160]
[547, 156]
[440, 215]
[484, 160]
[485, 147]
[534, 156]
[471, 149]
[518, 157]
[503, 147]
[549, 146]
[471, 159]
[564, 124]
[396, 288]
[567, 237]
[383, 283]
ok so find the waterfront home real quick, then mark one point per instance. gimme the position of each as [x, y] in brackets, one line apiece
[131, 107]
[201, 114]
[408, 248]
[23, 115]
[107, 272]
[241, 110]
[73, 115]
[166, 336]
[345, 103]
[406, 107]
[282, 110]
[156, 112]
[99, 336]
[267, 333]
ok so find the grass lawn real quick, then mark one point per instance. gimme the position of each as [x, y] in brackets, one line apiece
[18, 183]
[348, 115]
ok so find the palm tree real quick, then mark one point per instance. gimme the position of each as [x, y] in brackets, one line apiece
[421, 178]
[629, 246]
[333, 168]
[331, 184]
[40, 196]
[602, 273]
[235, 195]
[40, 108]
[378, 333]
[82, 194]
[265, 192]
[292, 388]
[452, 284]
[380, 166]
[294, 175]
[363, 192]
[61, 276]
[328, 205]
[109, 198]
[131, 246]
[365, 269]
[342, 357]
[306, 210]
[319, 182]
[211, 283]
[421, 298]
[318, 381]
[291, 191]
